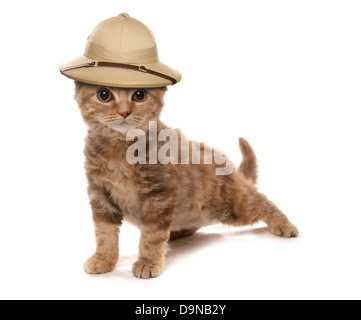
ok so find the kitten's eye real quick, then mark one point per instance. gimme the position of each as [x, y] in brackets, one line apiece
[139, 96]
[104, 95]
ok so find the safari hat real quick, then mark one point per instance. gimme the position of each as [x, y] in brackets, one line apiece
[121, 52]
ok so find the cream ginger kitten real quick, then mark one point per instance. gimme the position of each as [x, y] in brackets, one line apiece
[165, 199]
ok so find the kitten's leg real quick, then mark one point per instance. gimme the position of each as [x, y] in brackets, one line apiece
[152, 249]
[107, 249]
[252, 206]
[277, 222]
[107, 220]
[174, 235]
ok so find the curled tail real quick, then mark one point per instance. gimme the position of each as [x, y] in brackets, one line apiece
[248, 167]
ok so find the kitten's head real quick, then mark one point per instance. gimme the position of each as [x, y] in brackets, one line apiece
[117, 108]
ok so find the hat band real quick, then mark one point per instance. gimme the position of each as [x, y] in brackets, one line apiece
[138, 56]
[122, 66]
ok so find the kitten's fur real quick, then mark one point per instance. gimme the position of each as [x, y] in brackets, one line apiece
[165, 201]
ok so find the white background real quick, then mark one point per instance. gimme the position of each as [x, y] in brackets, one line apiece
[286, 75]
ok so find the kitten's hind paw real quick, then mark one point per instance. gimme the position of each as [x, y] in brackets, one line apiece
[286, 230]
[146, 270]
[97, 266]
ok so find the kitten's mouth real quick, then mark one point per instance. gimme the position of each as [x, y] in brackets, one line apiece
[122, 126]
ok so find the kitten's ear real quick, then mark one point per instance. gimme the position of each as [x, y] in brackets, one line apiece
[163, 90]
[78, 86]
[160, 92]
[160, 89]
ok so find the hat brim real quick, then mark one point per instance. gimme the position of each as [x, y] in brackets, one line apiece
[119, 77]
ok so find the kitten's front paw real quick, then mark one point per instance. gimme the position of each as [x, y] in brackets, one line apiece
[96, 266]
[286, 230]
[146, 270]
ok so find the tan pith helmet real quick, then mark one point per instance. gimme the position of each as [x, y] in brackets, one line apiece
[121, 52]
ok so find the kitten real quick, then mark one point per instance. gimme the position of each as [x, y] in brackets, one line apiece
[165, 201]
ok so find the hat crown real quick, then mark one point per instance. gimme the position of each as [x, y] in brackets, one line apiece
[122, 39]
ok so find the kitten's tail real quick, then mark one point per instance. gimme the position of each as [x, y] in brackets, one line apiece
[248, 166]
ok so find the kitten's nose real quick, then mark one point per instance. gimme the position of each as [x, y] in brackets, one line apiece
[124, 114]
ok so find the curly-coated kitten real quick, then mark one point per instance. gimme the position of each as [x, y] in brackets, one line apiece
[165, 199]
